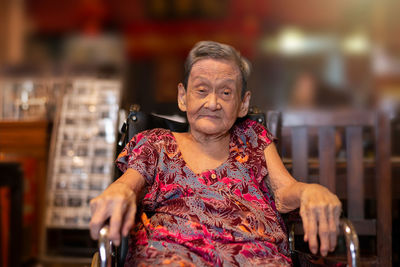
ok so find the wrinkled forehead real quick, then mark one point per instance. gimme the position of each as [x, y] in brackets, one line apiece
[215, 69]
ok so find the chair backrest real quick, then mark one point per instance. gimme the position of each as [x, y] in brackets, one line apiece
[357, 130]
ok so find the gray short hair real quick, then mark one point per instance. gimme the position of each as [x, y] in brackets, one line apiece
[215, 50]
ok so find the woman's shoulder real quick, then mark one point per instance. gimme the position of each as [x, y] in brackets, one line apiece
[249, 131]
[248, 126]
[157, 133]
[152, 136]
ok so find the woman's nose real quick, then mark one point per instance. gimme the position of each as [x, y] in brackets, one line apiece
[212, 101]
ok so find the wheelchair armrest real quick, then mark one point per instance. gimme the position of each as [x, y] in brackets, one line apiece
[352, 245]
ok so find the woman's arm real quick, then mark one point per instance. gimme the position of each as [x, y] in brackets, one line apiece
[117, 202]
[319, 208]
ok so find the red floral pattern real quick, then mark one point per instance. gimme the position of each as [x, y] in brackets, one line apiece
[221, 217]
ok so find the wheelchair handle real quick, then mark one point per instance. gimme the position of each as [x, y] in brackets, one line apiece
[108, 254]
[353, 251]
[105, 251]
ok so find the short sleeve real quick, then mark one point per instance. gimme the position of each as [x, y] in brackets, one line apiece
[253, 135]
[264, 136]
[141, 155]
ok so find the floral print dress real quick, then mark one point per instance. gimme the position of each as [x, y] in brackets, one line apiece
[221, 217]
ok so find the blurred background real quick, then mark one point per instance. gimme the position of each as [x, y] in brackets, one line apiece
[347, 48]
[305, 54]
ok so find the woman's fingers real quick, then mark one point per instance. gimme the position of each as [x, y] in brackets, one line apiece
[116, 221]
[304, 218]
[309, 219]
[129, 219]
[312, 231]
[333, 228]
[323, 229]
[99, 215]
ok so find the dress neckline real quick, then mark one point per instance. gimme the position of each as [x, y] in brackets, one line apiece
[207, 171]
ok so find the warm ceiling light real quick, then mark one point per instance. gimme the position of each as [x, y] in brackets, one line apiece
[356, 43]
[291, 41]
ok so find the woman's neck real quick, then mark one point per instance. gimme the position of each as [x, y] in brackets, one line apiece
[210, 144]
[203, 152]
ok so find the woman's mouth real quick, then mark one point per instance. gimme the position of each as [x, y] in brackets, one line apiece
[210, 116]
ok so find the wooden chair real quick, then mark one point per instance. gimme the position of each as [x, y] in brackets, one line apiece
[352, 186]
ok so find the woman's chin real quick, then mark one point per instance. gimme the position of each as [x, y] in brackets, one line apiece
[211, 128]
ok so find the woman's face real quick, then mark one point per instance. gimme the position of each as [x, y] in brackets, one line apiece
[212, 100]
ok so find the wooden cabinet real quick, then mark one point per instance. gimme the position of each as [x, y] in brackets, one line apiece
[27, 142]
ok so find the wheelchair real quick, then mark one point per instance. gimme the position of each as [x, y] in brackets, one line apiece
[137, 121]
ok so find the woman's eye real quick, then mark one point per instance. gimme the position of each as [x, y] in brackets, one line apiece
[226, 92]
[201, 90]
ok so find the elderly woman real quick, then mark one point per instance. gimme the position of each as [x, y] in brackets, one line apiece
[214, 194]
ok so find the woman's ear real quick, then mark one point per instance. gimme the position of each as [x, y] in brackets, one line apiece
[181, 97]
[244, 105]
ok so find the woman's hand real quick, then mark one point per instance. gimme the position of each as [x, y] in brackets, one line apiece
[117, 202]
[320, 211]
